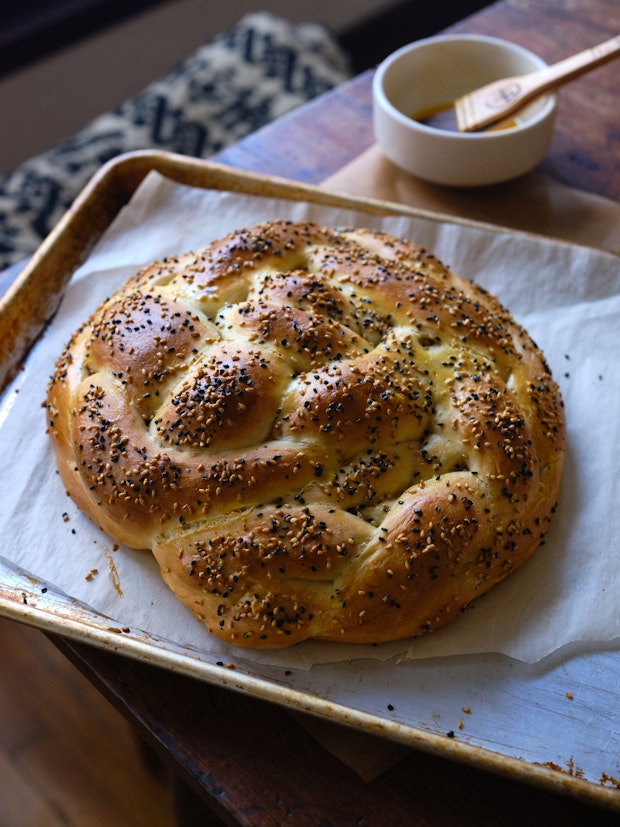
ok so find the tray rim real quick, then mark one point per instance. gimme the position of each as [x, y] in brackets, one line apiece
[31, 301]
[21, 604]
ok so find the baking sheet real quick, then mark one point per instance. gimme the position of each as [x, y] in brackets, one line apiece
[415, 703]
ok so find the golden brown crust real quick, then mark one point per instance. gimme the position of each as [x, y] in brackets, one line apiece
[319, 434]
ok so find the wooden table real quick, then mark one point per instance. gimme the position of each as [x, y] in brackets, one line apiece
[253, 763]
[324, 135]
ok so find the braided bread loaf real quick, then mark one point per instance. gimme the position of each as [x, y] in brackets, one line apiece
[319, 434]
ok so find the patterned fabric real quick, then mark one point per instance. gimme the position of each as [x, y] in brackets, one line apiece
[261, 69]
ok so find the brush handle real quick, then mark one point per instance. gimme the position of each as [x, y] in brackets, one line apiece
[503, 98]
[571, 67]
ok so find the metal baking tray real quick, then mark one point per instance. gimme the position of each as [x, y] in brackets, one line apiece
[502, 715]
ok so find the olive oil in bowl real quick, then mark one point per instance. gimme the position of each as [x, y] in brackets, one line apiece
[443, 116]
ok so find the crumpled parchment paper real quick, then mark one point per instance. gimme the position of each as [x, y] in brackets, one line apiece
[567, 297]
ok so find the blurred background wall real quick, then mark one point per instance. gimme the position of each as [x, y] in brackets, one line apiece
[63, 62]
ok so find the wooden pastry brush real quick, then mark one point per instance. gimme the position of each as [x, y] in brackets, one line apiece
[499, 100]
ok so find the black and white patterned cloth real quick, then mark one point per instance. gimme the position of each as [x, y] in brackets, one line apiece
[262, 68]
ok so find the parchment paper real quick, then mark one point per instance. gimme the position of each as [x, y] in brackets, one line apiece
[568, 297]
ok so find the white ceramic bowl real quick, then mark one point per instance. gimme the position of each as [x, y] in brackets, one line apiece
[435, 71]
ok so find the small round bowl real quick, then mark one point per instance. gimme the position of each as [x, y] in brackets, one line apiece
[429, 74]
